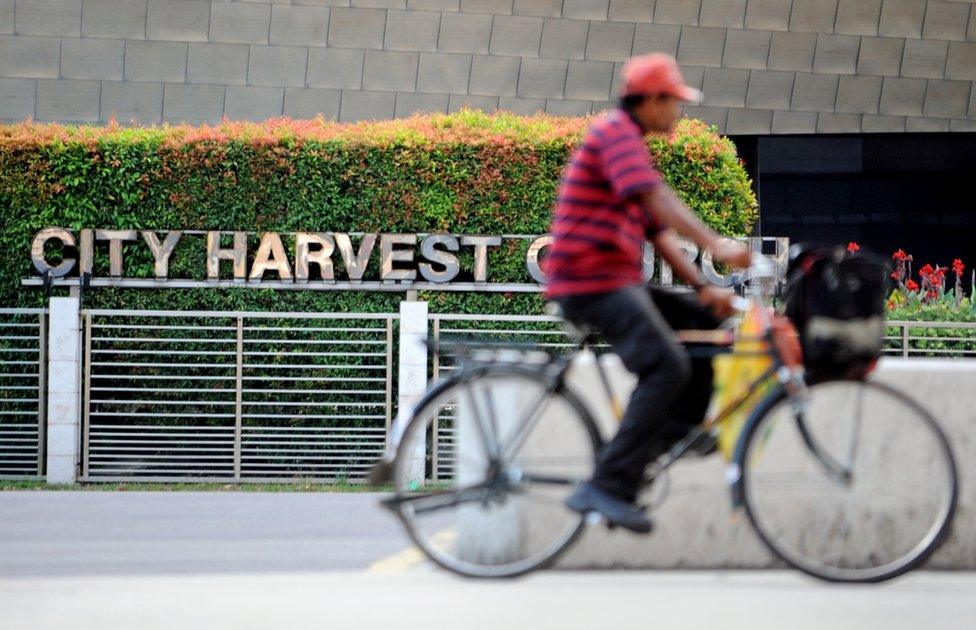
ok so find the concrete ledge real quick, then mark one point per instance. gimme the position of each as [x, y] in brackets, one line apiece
[696, 528]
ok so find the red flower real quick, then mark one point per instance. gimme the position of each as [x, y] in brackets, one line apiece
[911, 285]
[853, 247]
[901, 256]
[958, 267]
[926, 271]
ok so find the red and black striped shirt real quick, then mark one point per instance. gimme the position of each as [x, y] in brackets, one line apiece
[599, 227]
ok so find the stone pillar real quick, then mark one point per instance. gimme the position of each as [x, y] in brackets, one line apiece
[64, 390]
[412, 380]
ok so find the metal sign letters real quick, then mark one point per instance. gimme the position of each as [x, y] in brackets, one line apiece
[321, 260]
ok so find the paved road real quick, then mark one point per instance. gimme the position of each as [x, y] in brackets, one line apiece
[142, 561]
[434, 601]
[47, 533]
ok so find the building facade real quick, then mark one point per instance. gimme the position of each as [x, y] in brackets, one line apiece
[766, 66]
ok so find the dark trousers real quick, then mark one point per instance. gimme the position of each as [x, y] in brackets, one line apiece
[673, 390]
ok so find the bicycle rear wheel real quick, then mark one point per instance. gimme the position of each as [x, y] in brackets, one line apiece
[484, 466]
[858, 484]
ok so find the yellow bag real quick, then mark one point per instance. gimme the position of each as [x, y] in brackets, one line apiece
[734, 374]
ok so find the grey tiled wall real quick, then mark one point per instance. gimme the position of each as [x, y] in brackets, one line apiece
[766, 66]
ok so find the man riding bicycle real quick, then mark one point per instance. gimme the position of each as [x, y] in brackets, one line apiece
[611, 199]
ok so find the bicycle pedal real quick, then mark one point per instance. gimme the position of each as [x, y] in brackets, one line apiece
[595, 518]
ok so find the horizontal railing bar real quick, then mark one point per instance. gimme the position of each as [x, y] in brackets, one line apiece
[227, 443]
[188, 353]
[106, 450]
[162, 377]
[97, 326]
[314, 454]
[112, 401]
[274, 403]
[218, 438]
[271, 353]
[94, 455]
[183, 390]
[453, 317]
[149, 414]
[377, 392]
[305, 459]
[940, 351]
[259, 465]
[473, 331]
[90, 478]
[970, 340]
[319, 342]
[284, 366]
[19, 413]
[319, 429]
[22, 311]
[175, 469]
[324, 379]
[160, 340]
[20, 375]
[921, 324]
[323, 329]
[258, 444]
[179, 365]
[235, 314]
[304, 416]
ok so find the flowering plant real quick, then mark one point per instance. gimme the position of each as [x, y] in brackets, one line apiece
[931, 290]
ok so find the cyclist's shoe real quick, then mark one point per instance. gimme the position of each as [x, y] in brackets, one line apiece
[589, 498]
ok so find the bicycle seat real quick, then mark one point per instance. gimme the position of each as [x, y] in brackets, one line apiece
[579, 330]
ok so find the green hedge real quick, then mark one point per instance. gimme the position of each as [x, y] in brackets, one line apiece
[462, 173]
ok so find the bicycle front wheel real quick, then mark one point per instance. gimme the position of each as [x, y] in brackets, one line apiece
[855, 484]
[484, 466]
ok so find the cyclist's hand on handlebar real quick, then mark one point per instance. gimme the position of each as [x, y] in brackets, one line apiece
[718, 300]
[732, 252]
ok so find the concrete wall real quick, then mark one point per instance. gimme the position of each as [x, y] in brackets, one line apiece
[766, 66]
[696, 528]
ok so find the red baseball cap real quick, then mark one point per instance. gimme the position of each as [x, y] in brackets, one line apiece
[656, 74]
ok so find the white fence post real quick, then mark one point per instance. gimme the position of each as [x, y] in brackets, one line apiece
[412, 375]
[64, 390]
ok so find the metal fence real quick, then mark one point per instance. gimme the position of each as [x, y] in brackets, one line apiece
[242, 396]
[526, 331]
[23, 403]
[931, 339]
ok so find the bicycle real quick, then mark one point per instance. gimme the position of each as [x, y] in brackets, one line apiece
[513, 440]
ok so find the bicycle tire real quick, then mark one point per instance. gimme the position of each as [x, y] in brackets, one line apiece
[885, 398]
[406, 462]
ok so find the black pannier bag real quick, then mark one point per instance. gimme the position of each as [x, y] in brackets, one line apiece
[836, 301]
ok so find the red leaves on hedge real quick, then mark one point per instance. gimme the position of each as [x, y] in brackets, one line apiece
[466, 127]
